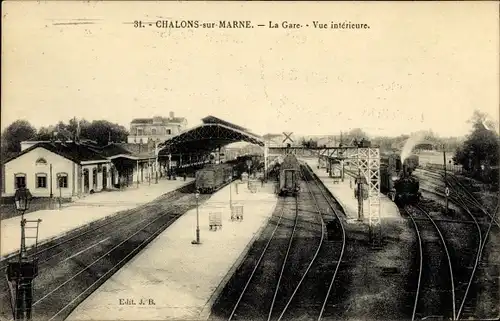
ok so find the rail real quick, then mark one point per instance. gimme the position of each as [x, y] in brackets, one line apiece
[91, 287]
[285, 259]
[447, 256]
[81, 231]
[315, 254]
[339, 261]
[420, 264]
[257, 264]
[462, 202]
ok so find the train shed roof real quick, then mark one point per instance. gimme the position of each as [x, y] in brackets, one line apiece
[204, 138]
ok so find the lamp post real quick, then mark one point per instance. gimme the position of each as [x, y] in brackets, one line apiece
[231, 191]
[197, 241]
[23, 271]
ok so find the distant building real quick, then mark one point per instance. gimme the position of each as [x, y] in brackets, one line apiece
[156, 129]
[72, 169]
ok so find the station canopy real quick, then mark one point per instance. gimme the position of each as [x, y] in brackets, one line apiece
[207, 137]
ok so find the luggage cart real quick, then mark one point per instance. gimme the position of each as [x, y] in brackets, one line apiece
[237, 212]
[215, 220]
[252, 186]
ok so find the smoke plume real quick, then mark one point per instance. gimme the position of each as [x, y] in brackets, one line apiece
[414, 139]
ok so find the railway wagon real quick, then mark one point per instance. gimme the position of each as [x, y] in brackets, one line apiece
[210, 178]
[393, 161]
[289, 176]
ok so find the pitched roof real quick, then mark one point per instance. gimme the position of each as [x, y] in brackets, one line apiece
[70, 150]
[165, 120]
[138, 150]
[214, 120]
[112, 149]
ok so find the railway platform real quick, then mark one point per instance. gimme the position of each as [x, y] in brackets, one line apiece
[178, 280]
[344, 193]
[82, 212]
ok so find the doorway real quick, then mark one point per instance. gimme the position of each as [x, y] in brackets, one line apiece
[104, 177]
[86, 181]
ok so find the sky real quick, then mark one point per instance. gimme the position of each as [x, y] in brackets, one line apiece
[419, 66]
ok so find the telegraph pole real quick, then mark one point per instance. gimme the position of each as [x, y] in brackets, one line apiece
[447, 190]
[359, 185]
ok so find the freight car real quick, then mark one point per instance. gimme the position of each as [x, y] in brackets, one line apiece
[289, 174]
[212, 177]
[393, 161]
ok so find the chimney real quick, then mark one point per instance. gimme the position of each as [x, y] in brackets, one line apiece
[171, 114]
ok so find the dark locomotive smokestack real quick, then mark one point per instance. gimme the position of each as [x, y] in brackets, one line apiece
[405, 170]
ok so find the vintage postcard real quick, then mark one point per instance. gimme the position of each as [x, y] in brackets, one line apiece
[250, 160]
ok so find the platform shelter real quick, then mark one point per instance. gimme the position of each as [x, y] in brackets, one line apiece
[192, 148]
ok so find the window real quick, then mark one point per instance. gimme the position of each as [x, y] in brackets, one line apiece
[41, 180]
[62, 180]
[41, 161]
[139, 132]
[169, 131]
[19, 180]
[153, 131]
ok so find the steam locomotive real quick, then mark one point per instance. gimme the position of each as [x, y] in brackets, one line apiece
[397, 181]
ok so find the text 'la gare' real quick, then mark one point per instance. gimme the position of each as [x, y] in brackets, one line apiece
[285, 25]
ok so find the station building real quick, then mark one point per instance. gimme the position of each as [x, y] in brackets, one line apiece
[156, 129]
[72, 169]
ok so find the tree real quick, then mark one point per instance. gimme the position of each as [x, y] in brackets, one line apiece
[357, 133]
[99, 131]
[102, 130]
[45, 133]
[481, 147]
[18, 131]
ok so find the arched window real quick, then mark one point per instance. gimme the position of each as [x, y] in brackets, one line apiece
[41, 161]
[153, 131]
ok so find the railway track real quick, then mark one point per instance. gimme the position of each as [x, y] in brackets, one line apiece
[295, 263]
[292, 273]
[312, 297]
[267, 268]
[462, 194]
[48, 250]
[469, 203]
[70, 269]
[430, 301]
